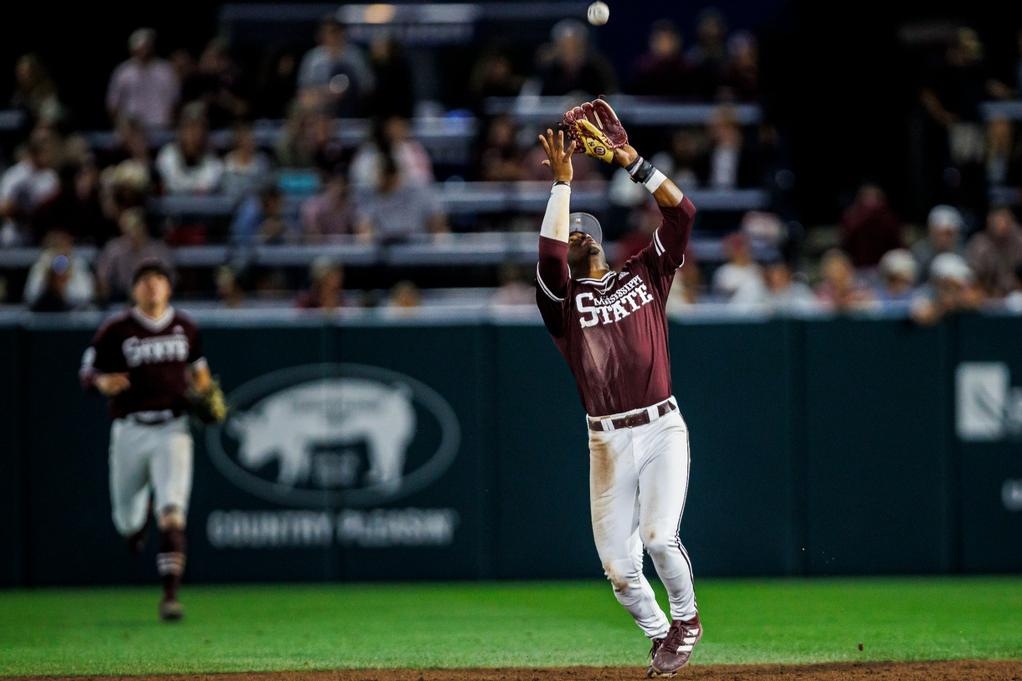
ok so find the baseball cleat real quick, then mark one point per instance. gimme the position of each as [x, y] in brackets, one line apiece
[676, 649]
[654, 647]
[171, 610]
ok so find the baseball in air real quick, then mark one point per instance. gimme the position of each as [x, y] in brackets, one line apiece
[598, 13]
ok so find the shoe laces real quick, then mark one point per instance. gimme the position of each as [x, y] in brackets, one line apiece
[675, 635]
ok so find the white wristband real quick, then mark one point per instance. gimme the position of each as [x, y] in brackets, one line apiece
[654, 181]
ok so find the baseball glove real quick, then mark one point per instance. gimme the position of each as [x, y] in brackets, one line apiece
[596, 129]
[209, 405]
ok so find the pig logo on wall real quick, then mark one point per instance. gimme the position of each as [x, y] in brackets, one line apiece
[334, 434]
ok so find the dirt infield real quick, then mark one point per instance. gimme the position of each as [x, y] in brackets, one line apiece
[966, 670]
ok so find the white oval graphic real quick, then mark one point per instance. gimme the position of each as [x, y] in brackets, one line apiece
[334, 435]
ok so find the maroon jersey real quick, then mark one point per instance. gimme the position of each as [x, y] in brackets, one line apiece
[155, 353]
[613, 331]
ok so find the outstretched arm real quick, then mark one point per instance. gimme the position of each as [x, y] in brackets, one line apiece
[552, 270]
[597, 129]
[671, 238]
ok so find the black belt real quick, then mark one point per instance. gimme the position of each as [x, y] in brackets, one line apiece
[639, 418]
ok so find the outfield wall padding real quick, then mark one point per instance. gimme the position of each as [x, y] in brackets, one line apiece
[458, 450]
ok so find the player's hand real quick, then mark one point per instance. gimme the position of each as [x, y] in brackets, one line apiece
[112, 384]
[558, 157]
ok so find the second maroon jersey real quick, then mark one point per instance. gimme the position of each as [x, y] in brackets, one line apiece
[157, 355]
[612, 331]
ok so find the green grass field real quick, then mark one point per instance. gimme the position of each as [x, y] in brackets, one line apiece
[285, 627]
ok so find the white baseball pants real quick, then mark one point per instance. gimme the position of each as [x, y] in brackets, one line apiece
[638, 481]
[146, 459]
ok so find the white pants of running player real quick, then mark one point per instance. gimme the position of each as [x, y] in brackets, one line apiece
[144, 460]
[638, 481]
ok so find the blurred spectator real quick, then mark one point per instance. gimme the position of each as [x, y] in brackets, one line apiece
[329, 214]
[228, 290]
[35, 92]
[681, 160]
[25, 186]
[740, 270]
[336, 70]
[216, 83]
[1013, 301]
[398, 210]
[840, 290]
[869, 227]
[994, 253]
[129, 142]
[404, 297]
[124, 186]
[276, 84]
[77, 208]
[685, 289]
[260, 219]
[898, 271]
[644, 219]
[187, 165]
[492, 76]
[327, 286]
[951, 289]
[740, 79]
[245, 167]
[119, 258]
[662, 71]
[571, 66]
[1004, 155]
[707, 57]
[144, 87]
[728, 163]
[395, 93]
[500, 158]
[943, 235]
[59, 280]
[391, 138]
[954, 92]
[778, 291]
[185, 69]
[514, 289]
[308, 139]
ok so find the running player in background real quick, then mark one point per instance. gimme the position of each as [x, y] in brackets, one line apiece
[611, 328]
[146, 360]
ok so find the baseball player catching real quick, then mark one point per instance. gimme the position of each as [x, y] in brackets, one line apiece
[612, 330]
[148, 361]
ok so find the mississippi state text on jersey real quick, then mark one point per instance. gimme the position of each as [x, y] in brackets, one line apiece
[613, 331]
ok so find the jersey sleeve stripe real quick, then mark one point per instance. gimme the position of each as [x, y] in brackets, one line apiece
[543, 286]
[656, 242]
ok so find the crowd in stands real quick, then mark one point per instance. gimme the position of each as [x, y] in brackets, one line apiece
[59, 192]
[942, 272]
